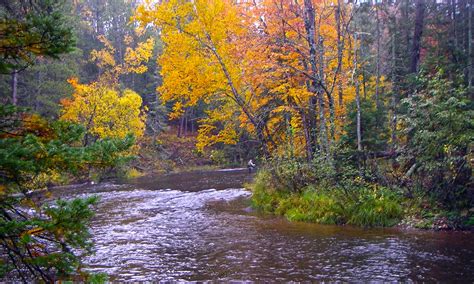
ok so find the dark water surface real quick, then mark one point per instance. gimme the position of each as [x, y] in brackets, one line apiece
[198, 226]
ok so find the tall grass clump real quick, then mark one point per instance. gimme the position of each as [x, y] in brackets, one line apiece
[350, 201]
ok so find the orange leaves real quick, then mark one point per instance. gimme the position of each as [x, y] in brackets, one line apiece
[248, 62]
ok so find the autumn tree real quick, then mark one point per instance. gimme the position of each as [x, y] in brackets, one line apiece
[306, 42]
[101, 107]
[103, 111]
[255, 61]
[198, 33]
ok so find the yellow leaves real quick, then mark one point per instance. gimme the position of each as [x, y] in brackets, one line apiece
[128, 40]
[207, 136]
[199, 42]
[104, 58]
[108, 45]
[133, 62]
[134, 58]
[177, 110]
[105, 112]
[103, 109]
[247, 61]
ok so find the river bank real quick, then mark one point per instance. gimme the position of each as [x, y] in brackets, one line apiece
[363, 204]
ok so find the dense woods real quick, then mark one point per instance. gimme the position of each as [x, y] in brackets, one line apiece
[357, 112]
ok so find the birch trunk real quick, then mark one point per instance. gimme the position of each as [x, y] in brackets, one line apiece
[14, 87]
[355, 78]
[309, 21]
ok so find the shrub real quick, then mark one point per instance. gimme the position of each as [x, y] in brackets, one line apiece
[438, 127]
[361, 205]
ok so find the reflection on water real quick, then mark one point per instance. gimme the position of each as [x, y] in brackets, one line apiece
[175, 227]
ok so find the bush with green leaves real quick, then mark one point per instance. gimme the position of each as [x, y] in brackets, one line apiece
[40, 239]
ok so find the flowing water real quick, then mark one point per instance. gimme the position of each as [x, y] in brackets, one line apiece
[199, 226]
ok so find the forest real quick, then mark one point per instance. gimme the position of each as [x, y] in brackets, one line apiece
[355, 112]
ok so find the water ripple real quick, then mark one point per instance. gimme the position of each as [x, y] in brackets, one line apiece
[168, 234]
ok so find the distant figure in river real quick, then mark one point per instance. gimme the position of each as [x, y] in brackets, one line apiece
[250, 166]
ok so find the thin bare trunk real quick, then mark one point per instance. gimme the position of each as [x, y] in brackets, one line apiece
[322, 117]
[309, 153]
[14, 87]
[355, 78]
[340, 48]
[393, 105]
[453, 23]
[377, 65]
[186, 123]
[470, 53]
[192, 120]
[181, 126]
[38, 90]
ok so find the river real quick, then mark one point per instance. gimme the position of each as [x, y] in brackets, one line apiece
[199, 226]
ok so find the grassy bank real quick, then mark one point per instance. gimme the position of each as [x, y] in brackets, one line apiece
[361, 204]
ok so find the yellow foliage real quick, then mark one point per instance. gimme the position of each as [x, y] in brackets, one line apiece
[105, 112]
[103, 109]
[196, 37]
[135, 57]
[133, 62]
[133, 173]
[248, 61]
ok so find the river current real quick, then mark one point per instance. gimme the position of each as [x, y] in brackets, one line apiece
[199, 226]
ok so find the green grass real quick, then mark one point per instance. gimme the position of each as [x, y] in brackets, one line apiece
[362, 206]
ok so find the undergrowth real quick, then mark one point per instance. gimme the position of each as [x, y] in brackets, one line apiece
[362, 205]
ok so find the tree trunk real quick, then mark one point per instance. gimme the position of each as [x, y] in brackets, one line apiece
[192, 120]
[377, 64]
[14, 87]
[470, 51]
[98, 18]
[326, 140]
[304, 120]
[186, 123]
[332, 118]
[454, 26]
[417, 35]
[311, 133]
[38, 90]
[181, 126]
[340, 49]
[394, 100]
[355, 78]
[309, 22]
